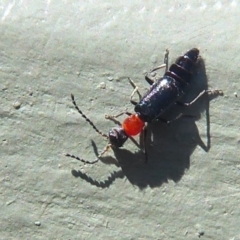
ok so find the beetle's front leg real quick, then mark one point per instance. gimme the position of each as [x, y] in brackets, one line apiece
[114, 117]
[134, 91]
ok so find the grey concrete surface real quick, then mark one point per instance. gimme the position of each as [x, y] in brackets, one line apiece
[49, 49]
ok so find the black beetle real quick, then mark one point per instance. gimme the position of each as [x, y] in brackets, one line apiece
[163, 93]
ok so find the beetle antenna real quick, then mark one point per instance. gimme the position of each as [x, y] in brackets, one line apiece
[96, 160]
[87, 119]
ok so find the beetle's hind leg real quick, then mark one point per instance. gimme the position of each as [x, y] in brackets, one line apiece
[164, 65]
[210, 92]
[174, 119]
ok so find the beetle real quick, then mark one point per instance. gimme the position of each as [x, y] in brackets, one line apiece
[163, 93]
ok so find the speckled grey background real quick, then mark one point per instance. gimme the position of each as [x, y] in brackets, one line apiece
[50, 49]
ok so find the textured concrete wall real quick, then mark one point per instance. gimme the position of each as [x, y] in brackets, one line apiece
[49, 49]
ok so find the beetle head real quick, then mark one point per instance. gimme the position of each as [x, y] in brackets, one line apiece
[117, 137]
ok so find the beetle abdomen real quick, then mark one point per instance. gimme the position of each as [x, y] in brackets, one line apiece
[159, 98]
[181, 70]
[167, 90]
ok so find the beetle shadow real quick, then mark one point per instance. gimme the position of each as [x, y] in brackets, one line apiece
[169, 150]
[169, 147]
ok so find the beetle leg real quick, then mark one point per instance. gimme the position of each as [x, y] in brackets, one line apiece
[164, 65]
[134, 91]
[176, 118]
[149, 80]
[159, 67]
[118, 115]
[169, 121]
[162, 120]
[114, 117]
[211, 92]
[144, 143]
[166, 59]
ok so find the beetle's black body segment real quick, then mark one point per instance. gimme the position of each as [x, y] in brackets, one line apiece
[162, 94]
[168, 89]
